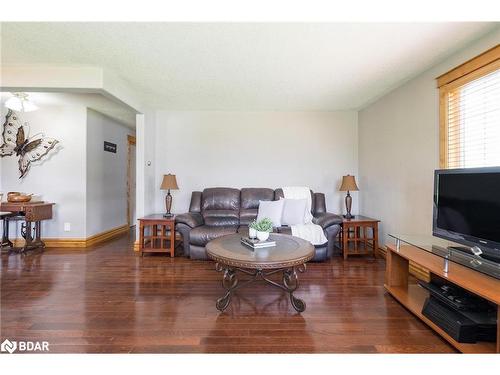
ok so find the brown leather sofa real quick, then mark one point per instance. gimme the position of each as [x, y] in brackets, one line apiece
[216, 212]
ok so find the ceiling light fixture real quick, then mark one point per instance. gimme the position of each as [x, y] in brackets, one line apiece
[20, 103]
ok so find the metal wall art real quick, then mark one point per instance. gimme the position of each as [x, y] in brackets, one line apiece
[16, 141]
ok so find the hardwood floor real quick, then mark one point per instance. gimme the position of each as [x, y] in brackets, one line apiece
[107, 299]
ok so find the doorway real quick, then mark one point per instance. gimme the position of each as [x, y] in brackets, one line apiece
[131, 207]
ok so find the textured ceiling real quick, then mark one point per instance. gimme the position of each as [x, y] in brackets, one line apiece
[224, 66]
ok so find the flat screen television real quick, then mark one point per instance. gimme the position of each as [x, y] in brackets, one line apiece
[467, 208]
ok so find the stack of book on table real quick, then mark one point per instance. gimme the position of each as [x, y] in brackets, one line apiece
[254, 243]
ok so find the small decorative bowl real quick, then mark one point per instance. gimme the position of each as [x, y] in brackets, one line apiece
[12, 193]
[19, 198]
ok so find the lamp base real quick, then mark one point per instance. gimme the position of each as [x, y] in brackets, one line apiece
[348, 203]
[168, 204]
[349, 216]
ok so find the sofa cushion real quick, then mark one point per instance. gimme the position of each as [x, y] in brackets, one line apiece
[221, 217]
[278, 194]
[220, 199]
[250, 197]
[294, 211]
[272, 210]
[202, 235]
[247, 215]
[221, 206]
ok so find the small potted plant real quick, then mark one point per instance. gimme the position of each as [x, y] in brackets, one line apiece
[252, 229]
[263, 228]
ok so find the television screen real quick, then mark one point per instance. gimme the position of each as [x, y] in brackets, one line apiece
[468, 204]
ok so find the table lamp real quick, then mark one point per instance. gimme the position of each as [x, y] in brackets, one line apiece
[348, 184]
[169, 182]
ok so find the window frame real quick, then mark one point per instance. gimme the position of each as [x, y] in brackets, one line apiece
[475, 68]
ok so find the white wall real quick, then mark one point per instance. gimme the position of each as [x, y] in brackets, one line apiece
[255, 149]
[399, 149]
[87, 184]
[106, 204]
[145, 162]
[149, 165]
[60, 177]
[94, 80]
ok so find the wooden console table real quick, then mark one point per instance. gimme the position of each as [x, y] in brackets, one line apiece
[413, 296]
[30, 212]
[361, 242]
[157, 234]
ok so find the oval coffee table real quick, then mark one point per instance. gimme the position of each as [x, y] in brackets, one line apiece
[288, 256]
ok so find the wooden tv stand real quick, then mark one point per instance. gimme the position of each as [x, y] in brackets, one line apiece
[413, 296]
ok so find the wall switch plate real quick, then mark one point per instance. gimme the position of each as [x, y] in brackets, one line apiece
[67, 227]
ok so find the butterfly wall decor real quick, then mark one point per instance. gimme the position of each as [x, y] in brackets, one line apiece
[16, 141]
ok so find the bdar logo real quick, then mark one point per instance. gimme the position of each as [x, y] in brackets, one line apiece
[8, 346]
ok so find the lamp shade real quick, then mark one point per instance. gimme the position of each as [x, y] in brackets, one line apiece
[348, 184]
[169, 182]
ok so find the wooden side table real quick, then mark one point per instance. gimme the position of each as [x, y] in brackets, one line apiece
[356, 238]
[157, 234]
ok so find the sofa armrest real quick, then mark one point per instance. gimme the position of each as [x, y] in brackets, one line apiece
[191, 219]
[327, 219]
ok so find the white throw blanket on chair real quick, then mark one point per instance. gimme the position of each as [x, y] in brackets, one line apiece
[307, 231]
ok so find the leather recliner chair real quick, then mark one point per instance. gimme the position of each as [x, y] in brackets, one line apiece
[216, 212]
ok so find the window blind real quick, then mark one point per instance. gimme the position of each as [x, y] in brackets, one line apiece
[473, 123]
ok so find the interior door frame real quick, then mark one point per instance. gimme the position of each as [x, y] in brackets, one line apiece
[131, 141]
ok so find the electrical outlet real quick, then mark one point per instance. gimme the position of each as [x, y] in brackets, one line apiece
[67, 227]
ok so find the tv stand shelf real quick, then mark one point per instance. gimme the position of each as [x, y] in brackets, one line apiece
[413, 296]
